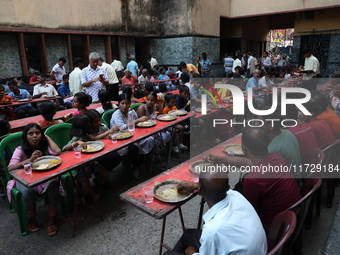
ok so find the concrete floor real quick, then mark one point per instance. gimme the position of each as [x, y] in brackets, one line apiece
[133, 232]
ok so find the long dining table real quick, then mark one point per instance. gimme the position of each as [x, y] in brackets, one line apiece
[158, 209]
[69, 162]
[36, 100]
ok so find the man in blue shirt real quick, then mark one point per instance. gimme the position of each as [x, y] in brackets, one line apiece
[65, 92]
[132, 66]
[253, 83]
[205, 65]
[22, 110]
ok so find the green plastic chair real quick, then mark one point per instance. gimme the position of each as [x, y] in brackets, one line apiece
[69, 121]
[104, 122]
[135, 106]
[3, 179]
[60, 134]
[8, 145]
[107, 116]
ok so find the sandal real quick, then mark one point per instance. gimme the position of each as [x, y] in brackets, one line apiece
[33, 227]
[51, 229]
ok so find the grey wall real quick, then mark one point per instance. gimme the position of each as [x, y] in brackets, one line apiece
[9, 55]
[56, 47]
[123, 49]
[97, 44]
[334, 54]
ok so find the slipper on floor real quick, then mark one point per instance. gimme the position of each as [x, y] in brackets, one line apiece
[51, 230]
[33, 227]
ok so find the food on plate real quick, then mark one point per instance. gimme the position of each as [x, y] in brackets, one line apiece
[43, 166]
[168, 192]
[123, 135]
[53, 161]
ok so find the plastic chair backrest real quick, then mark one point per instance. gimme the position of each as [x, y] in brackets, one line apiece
[59, 133]
[7, 147]
[301, 207]
[135, 106]
[104, 122]
[69, 120]
[282, 227]
[331, 153]
[314, 156]
[107, 116]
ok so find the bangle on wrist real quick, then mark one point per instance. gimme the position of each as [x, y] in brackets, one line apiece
[73, 144]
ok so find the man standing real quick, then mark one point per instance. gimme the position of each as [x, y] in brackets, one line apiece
[205, 65]
[58, 71]
[153, 62]
[113, 85]
[94, 77]
[132, 66]
[237, 62]
[311, 68]
[231, 225]
[267, 62]
[43, 89]
[250, 57]
[117, 67]
[228, 63]
[75, 77]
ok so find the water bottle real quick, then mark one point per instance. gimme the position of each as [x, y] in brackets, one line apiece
[131, 121]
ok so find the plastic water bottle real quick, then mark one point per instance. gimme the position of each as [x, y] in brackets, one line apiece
[131, 121]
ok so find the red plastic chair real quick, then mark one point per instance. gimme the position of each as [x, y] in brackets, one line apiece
[281, 229]
[301, 209]
[313, 156]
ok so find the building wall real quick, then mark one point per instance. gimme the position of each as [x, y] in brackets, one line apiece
[9, 55]
[56, 47]
[97, 44]
[127, 48]
[101, 15]
[334, 56]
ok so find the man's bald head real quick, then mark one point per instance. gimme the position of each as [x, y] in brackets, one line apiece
[214, 186]
[255, 140]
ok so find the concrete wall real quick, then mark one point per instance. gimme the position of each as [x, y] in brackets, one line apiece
[334, 56]
[176, 17]
[97, 45]
[9, 55]
[101, 15]
[56, 48]
[127, 47]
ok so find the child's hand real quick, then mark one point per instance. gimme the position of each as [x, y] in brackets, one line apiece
[36, 154]
[144, 118]
[82, 144]
[156, 113]
[115, 129]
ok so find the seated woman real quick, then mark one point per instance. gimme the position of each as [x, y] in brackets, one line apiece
[138, 150]
[47, 110]
[8, 112]
[36, 144]
[80, 101]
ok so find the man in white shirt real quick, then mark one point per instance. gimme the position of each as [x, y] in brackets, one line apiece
[118, 67]
[250, 57]
[266, 60]
[58, 71]
[237, 62]
[42, 89]
[265, 82]
[143, 78]
[113, 86]
[153, 62]
[231, 225]
[94, 77]
[312, 66]
[75, 77]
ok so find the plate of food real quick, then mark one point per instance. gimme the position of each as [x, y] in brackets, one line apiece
[166, 191]
[217, 106]
[123, 134]
[93, 146]
[235, 148]
[200, 110]
[145, 124]
[178, 112]
[166, 117]
[25, 100]
[46, 163]
[199, 165]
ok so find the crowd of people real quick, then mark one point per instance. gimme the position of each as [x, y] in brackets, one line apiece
[271, 144]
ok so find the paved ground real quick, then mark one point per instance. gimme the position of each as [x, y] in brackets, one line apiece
[126, 230]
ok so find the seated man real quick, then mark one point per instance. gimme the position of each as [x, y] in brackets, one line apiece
[43, 89]
[231, 223]
[25, 84]
[64, 91]
[253, 83]
[16, 94]
[270, 192]
[143, 78]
